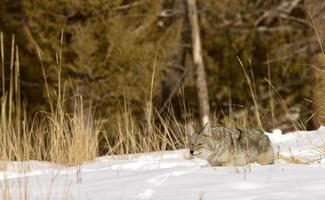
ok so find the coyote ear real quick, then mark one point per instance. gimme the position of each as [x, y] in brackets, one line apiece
[189, 129]
[206, 129]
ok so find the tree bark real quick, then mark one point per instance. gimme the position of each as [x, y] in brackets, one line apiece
[315, 12]
[201, 84]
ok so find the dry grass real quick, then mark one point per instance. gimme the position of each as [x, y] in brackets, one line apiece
[295, 160]
[237, 119]
[56, 136]
[128, 136]
[252, 89]
[75, 136]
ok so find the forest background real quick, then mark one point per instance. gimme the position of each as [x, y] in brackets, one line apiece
[125, 56]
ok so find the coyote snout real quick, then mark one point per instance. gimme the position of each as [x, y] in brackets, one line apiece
[230, 146]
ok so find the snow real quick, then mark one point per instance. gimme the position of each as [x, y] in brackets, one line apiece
[300, 144]
[170, 175]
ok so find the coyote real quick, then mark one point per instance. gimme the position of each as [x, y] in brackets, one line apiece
[230, 146]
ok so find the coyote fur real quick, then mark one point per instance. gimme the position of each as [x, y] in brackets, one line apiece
[230, 146]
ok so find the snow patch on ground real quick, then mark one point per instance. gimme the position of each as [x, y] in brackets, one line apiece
[169, 175]
[304, 145]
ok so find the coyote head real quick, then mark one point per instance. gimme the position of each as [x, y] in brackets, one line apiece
[200, 143]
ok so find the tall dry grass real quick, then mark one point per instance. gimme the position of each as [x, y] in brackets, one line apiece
[57, 136]
[165, 133]
[70, 135]
[243, 120]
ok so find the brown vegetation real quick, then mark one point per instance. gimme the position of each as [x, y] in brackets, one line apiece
[125, 63]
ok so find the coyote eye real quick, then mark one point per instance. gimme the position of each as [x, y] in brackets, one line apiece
[200, 144]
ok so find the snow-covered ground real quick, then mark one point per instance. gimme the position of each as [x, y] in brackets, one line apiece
[169, 175]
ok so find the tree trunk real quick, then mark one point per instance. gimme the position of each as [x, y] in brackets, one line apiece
[201, 85]
[315, 10]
